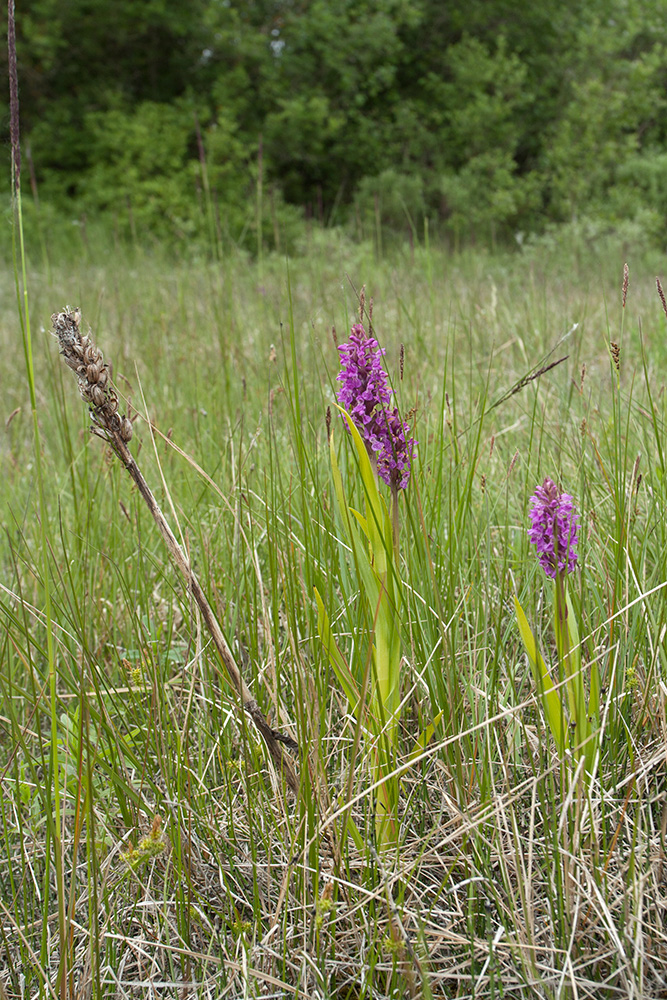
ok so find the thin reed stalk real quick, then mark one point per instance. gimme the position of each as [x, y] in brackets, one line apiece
[51, 791]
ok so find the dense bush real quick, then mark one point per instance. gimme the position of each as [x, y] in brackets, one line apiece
[487, 118]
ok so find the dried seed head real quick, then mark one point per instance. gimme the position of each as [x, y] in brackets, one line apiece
[401, 361]
[482, 483]
[96, 395]
[11, 416]
[93, 375]
[328, 422]
[615, 351]
[626, 276]
[362, 303]
[582, 378]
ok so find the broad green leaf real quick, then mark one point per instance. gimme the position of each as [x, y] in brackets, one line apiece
[552, 703]
[388, 656]
[363, 524]
[359, 550]
[565, 659]
[377, 515]
[338, 661]
[594, 698]
[575, 646]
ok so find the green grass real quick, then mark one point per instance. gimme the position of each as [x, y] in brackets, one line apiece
[509, 880]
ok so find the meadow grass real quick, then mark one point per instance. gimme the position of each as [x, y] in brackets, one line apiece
[180, 864]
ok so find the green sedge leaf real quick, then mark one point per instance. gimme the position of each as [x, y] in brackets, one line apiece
[578, 693]
[353, 830]
[340, 492]
[425, 737]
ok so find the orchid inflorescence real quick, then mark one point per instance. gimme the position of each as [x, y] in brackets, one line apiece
[573, 715]
[383, 450]
[554, 527]
[365, 394]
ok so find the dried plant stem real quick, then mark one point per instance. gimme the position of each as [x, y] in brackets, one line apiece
[96, 388]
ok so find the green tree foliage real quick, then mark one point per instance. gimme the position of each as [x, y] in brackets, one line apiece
[487, 116]
[486, 97]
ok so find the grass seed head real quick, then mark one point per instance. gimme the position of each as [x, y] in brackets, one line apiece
[615, 355]
[662, 296]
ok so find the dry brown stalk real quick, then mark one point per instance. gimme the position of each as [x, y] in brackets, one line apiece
[95, 385]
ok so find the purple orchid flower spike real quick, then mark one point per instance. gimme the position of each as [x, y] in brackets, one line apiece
[365, 393]
[554, 529]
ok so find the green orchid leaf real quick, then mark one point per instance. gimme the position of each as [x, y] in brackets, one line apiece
[363, 523]
[340, 666]
[378, 515]
[594, 694]
[573, 629]
[552, 703]
[360, 554]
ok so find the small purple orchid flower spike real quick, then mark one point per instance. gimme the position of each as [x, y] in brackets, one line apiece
[554, 528]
